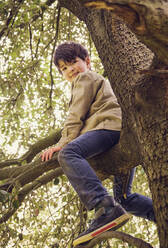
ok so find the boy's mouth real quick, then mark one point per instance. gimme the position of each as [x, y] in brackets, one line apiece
[74, 74]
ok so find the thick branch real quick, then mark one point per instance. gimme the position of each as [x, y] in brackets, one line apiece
[29, 173]
[147, 19]
[44, 179]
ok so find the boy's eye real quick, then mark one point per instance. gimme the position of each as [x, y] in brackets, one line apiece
[74, 61]
[68, 64]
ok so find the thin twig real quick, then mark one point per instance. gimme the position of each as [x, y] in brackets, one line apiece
[52, 55]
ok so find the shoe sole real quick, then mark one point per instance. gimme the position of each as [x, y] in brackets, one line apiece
[113, 225]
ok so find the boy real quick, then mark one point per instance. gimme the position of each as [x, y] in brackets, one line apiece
[92, 127]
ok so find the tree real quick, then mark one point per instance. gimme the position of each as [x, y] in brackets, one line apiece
[138, 76]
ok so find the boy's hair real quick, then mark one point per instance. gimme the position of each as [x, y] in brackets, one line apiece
[68, 51]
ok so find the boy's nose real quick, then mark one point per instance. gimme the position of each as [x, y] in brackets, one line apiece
[71, 68]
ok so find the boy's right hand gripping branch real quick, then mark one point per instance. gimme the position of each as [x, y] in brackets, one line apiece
[48, 153]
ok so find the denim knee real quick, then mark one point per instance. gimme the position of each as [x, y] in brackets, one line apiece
[68, 153]
[62, 158]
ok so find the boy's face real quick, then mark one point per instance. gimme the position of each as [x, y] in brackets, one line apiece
[70, 70]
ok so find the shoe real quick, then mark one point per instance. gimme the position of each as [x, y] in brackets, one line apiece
[107, 218]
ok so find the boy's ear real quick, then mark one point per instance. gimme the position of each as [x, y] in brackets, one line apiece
[87, 60]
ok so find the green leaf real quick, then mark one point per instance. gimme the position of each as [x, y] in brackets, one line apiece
[3, 196]
[20, 236]
[56, 181]
[16, 203]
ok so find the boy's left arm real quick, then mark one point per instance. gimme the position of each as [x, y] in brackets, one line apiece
[83, 94]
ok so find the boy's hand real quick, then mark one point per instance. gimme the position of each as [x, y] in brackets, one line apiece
[48, 154]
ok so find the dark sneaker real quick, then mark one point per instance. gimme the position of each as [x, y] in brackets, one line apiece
[108, 219]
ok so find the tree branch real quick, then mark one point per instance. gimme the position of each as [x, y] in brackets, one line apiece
[44, 179]
[43, 7]
[23, 192]
[147, 19]
[34, 150]
[53, 49]
[28, 173]
[139, 243]
[12, 15]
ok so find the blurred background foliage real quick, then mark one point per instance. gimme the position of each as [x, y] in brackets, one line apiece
[33, 103]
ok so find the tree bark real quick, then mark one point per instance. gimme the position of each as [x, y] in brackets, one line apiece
[147, 19]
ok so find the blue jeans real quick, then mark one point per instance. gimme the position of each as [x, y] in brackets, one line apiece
[82, 177]
[133, 203]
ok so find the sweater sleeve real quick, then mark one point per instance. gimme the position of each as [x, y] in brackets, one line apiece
[84, 90]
